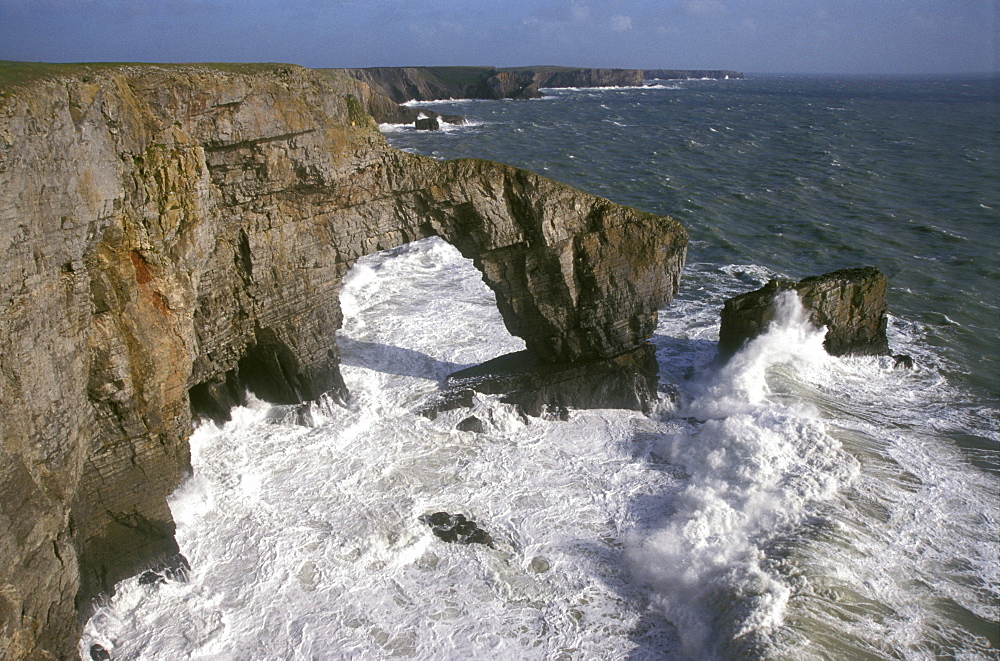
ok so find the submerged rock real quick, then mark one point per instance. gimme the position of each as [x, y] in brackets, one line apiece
[539, 565]
[174, 569]
[455, 528]
[903, 361]
[98, 653]
[472, 424]
[850, 303]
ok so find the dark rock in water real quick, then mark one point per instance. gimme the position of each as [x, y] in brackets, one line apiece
[539, 565]
[850, 303]
[455, 528]
[473, 424]
[98, 653]
[150, 577]
[627, 381]
[174, 568]
[903, 361]
[427, 124]
[449, 400]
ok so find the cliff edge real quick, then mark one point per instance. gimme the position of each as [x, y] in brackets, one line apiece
[173, 235]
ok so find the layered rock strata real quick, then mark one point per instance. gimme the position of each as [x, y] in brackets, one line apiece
[171, 236]
[850, 303]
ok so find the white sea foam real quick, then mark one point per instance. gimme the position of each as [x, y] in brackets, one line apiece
[773, 497]
[443, 127]
[757, 466]
[305, 542]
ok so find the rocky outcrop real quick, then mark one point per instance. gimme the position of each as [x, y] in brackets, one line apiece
[627, 381]
[173, 235]
[850, 303]
[427, 124]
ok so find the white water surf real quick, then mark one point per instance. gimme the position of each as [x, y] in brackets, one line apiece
[771, 508]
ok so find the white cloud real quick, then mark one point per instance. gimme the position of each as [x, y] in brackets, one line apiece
[621, 23]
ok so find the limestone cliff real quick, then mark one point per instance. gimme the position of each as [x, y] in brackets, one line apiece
[172, 235]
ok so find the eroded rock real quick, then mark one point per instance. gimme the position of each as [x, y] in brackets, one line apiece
[627, 381]
[171, 236]
[850, 303]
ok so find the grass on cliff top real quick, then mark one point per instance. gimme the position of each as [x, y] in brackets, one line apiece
[17, 74]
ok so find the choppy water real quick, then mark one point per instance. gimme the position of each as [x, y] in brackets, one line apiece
[790, 505]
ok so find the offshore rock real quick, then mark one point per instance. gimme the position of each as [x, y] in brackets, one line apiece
[427, 124]
[456, 529]
[850, 303]
[472, 424]
[98, 653]
[172, 236]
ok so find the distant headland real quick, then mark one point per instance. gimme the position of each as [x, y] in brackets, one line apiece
[402, 84]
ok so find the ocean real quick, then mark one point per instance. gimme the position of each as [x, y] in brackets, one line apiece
[786, 505]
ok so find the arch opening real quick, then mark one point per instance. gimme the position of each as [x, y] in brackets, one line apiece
[414, 314]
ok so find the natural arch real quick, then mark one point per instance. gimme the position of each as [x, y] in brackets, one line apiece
[174, 234]
[575, 276]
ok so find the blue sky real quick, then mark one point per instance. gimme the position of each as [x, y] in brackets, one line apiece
[779, 36]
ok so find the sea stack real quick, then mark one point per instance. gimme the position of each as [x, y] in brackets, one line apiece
[850, 303]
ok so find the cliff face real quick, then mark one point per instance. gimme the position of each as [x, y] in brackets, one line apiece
[590, 78]
[402, 84]
[173, 235]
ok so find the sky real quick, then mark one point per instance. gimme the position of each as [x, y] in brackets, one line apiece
[762, 36]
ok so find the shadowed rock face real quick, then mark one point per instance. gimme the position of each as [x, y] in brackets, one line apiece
[850, 303]
[172, 235]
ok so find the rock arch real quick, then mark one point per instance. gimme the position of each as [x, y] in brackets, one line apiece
[576, 276]
[172, 234]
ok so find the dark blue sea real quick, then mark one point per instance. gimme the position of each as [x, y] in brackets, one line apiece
[788, 505]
